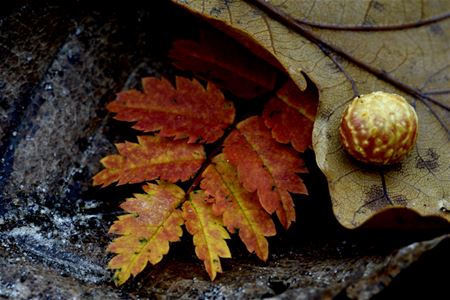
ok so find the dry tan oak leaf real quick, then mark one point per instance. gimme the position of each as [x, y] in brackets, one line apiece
[353, 47]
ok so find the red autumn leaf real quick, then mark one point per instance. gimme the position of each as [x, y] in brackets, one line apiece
[240, 193]
[291, 116]
[240, 209]
[266, 166]
[220, 59]
[208, 232]
[189, 110]
[153, 221]
[151, 158]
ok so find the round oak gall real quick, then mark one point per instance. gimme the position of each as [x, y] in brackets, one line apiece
[379, 128]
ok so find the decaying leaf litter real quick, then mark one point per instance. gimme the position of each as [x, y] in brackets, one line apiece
[273, 194]
[65, 251]
[356, 48]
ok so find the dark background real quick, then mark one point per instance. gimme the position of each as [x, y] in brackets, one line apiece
[60, 63]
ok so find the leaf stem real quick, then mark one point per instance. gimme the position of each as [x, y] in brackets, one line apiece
[214, 152]
[341, 68]
[198, 175]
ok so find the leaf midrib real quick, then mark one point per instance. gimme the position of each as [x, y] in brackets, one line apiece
[151, 239]
[250, 224]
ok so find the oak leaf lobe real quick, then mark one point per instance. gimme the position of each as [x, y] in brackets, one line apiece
[395, 47]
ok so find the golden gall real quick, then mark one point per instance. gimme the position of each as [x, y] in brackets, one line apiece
[379, 128]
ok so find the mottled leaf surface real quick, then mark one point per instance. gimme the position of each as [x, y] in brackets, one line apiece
[153, 221]
[186, 111]
[358, 47]
[290, 115]
[151, 158]
[240, 209]
[222, 60]
[208, 232]
[266, 166]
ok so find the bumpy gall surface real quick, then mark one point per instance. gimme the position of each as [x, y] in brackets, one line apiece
[379, 128]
